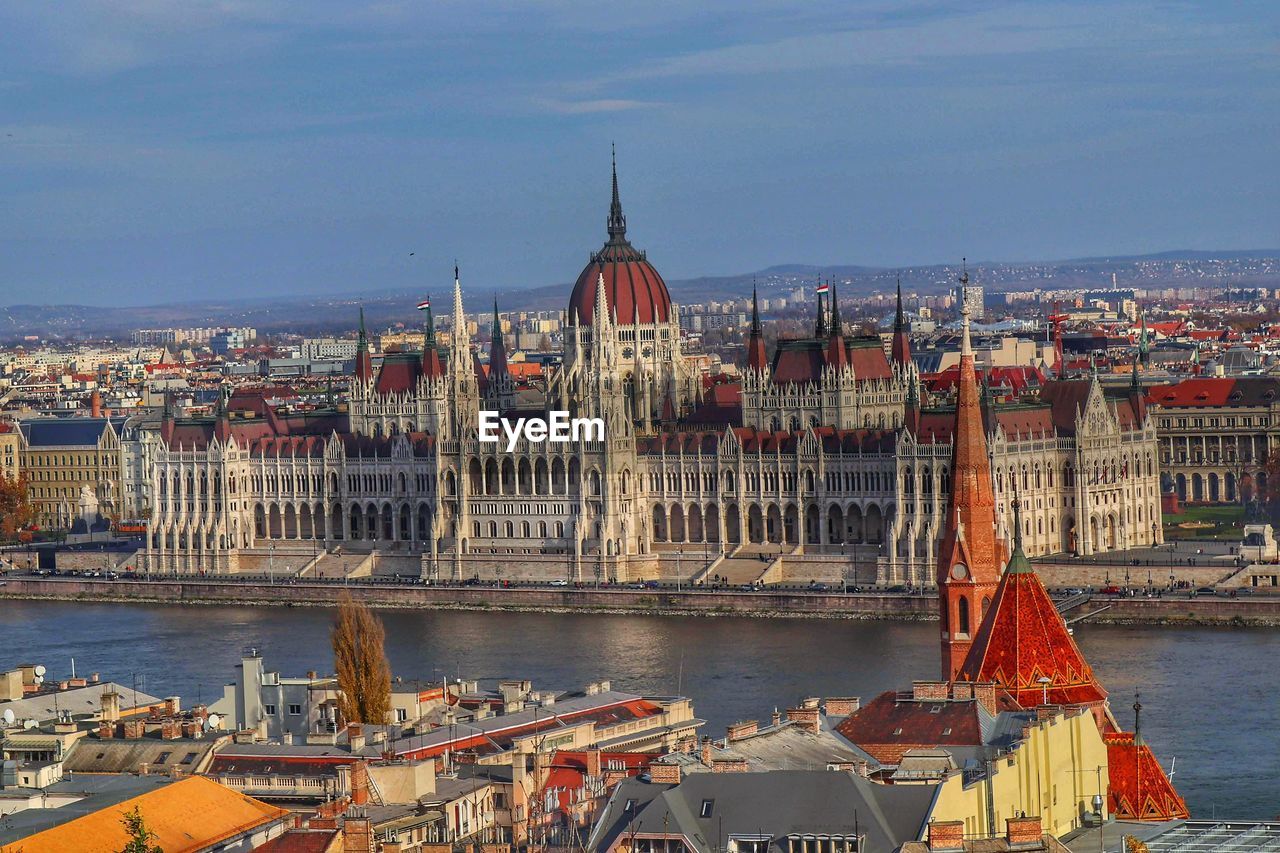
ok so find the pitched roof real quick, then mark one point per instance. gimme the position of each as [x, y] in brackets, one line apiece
[893, 723]
[67, 432]
[1211, 391]
[1023, 639]
[192, 814]
[1140, 790]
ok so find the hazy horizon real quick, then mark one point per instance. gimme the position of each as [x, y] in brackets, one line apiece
[157, 152]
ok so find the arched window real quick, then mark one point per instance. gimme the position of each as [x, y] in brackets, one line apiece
[963, 608]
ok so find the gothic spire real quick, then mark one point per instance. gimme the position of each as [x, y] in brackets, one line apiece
[755, 310]
[899, 320]
[835, 312]
[617, 222]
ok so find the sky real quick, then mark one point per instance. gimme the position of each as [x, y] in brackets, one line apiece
[156, 151]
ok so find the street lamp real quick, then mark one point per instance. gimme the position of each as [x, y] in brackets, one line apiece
[271, 563]
[1044, 681]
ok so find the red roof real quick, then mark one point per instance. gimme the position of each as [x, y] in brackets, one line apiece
[1210, 391]
[1140, 789]
[1013, 379]
[893, 723]
[633, 289]
[1023, 639]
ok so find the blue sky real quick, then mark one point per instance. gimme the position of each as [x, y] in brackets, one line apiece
[159, 151]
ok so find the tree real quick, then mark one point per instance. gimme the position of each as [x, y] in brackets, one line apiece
[1271, 495]
[364, 676]
[16, 510]
[140, 837]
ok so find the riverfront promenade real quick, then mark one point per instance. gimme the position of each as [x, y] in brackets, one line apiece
[1180, 609]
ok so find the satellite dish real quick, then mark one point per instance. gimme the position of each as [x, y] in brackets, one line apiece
[29, 724]
[39, 679]
[7, 716]
[40, 670]
[214, 720]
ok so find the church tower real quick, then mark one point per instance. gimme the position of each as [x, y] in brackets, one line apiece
[901, 336]
[972, 555]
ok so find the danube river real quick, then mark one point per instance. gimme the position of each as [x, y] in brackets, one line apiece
[1210, 696]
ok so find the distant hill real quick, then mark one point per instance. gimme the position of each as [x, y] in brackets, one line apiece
[384, 307]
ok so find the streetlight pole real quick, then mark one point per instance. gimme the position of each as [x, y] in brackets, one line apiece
[271, 564]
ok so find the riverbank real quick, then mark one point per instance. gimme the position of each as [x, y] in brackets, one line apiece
[1203, 610]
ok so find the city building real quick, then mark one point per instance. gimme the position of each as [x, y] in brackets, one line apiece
[824, 459]
[1216, 435]
[73, 467]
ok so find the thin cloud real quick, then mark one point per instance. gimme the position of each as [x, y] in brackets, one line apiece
[596, 105]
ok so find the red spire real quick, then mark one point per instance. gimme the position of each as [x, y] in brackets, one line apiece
[972, 555]
[497, 348]
[1024, 640]
[901, 338]
[837, 354]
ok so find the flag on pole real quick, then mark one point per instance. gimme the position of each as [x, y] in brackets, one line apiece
[823, 287]
[424, 304]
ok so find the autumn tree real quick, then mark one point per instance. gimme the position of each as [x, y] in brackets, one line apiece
[1270, 496]
[364, 676]
[16, 510]
[140, 837]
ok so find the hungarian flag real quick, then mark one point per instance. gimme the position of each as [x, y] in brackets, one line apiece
[424, 305]
[823, 287]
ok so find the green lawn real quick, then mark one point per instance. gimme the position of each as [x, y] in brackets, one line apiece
[1227, 521]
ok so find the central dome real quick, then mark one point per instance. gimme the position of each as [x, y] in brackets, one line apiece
[634, 290]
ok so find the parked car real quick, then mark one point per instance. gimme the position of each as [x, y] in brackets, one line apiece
[559, 582]
[1206, 590]
[1110, 590]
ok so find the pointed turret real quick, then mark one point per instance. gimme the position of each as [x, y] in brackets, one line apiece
[432, 367]
[497, 348]
[364, 362]
[837, 353]
[756, 357]
[820, 326]
[460, 343]
[971, 555]
[901, 335]
[1023, 640]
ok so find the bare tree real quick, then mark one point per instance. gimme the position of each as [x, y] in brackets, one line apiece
[364, 676]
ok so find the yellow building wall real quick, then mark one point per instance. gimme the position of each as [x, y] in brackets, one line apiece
[10, 453]
[1054, 773]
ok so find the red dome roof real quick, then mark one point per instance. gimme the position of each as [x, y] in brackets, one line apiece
[634, 290]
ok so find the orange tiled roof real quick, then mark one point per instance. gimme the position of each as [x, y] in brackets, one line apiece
[1140, 790]
[1023, 639]
[192, 814]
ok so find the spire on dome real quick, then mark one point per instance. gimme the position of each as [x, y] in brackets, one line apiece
[899, 321]
[617, 222]
[1137, 719]
[755, 310]
[1018, 562]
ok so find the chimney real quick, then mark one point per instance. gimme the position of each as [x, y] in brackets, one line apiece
[962, 690]
[946, 835]
[706, 751]
[357, 835]
[605, 686]
[986, 696]
[593, 762]
[170, 729]
[94, 678]
[286, 738]
[593, 688]
[1023, 830]
[741, 730]
[805, 718]
[359, 783]
[842, 706]
[191, 729]
[776, 719]
[110, 706]
[95, 404]
[134, 729]
[355, 736]
[171, 706]
[664, 774]
[106, 730]
[929, 691]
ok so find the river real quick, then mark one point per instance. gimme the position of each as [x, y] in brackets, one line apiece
[1208, 700]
